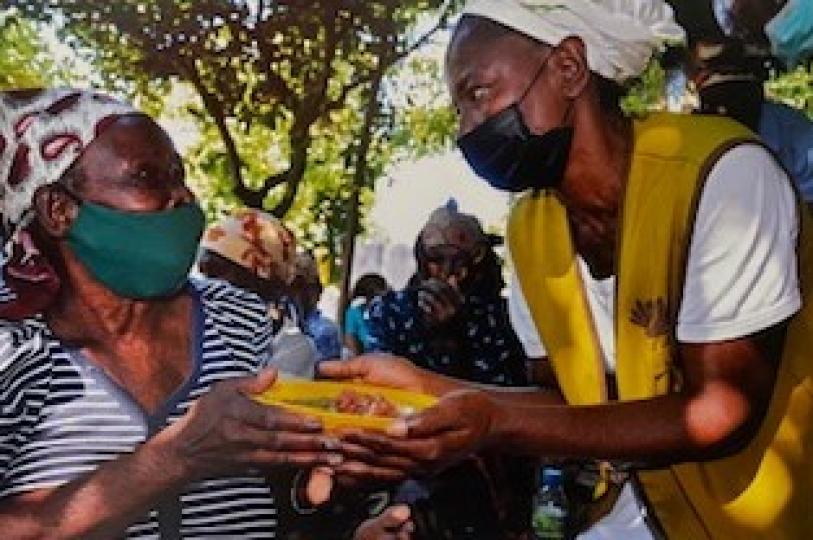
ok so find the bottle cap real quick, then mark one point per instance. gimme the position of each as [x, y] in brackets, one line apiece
[551, 476]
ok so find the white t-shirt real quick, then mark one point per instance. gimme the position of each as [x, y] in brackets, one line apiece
[742, 269]
[741, 278]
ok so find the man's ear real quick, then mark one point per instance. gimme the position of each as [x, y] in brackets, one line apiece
[55, 210]
[571, 63]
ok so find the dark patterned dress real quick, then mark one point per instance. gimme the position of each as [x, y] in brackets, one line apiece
[478, 345]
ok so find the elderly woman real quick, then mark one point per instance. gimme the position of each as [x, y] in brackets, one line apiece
[124, 388]
[679, 329]
[451, 318]
[253, 250]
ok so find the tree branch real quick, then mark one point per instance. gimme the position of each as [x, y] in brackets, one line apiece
[360, 173]
[300, 144]
[215, 109]
[386, 62]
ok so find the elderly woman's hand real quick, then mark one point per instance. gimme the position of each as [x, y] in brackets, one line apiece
[459, 425]
[393, 524]
[226, 431]
[439, 302]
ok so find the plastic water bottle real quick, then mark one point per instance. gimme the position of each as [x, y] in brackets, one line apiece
[549, 516]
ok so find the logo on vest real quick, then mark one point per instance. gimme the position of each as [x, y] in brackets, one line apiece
[652, 316]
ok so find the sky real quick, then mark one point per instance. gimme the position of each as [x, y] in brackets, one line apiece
[405, 199]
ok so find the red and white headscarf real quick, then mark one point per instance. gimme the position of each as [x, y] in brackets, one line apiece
[256, 241]
[42, 133]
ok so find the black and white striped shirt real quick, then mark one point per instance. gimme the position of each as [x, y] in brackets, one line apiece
[62, 417]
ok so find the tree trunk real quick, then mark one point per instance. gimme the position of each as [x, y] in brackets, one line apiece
[359, 180]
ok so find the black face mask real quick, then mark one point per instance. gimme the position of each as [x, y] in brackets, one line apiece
[503, 151]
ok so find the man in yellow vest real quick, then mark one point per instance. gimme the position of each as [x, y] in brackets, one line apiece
[661, 266]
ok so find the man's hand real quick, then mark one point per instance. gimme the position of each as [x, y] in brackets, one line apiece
[381, 370]
[226, 431]
[458, 426]
[393, 524]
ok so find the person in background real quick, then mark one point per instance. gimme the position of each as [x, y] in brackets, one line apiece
[451, 318]
[306, 290]
[356, 333]
[666, 263]
[730, 78]
[124, 387]
[253, 250]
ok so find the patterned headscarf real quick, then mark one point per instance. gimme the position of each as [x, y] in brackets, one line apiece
[42, 133]
[255, 240]
[448, 226]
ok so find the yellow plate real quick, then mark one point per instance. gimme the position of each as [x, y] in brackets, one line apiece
[285, 393]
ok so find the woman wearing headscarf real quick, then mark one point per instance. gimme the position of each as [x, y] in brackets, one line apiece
[253, 250]
[451, 318]
[665, 264]
[124, 388]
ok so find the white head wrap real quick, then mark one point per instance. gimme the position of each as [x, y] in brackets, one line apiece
[41, 134]
[620, 36]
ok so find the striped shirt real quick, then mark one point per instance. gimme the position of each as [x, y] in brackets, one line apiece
[62, 417]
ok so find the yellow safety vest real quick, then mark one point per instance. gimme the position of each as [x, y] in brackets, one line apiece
[764, 491]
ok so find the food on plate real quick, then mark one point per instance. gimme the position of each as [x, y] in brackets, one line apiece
[353, 402]
[345, 405]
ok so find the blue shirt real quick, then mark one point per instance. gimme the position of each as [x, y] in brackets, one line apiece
[325, 335]
[789, 133]
[355, 324]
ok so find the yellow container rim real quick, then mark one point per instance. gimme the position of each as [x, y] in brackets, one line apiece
[291, 389]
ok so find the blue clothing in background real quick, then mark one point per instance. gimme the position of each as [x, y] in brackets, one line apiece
[480, 345]
[356, 325]
[325, 335]
[789, 133]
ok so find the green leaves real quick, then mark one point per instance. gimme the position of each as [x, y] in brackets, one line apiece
[279, 90]
[794, 88]
[24, 62]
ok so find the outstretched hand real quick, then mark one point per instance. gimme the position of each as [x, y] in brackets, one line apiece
[226, 431]
[461, 424]
[379, 369]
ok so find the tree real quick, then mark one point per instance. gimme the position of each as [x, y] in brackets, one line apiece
[24, 62]
[268, 65]
[794, 88]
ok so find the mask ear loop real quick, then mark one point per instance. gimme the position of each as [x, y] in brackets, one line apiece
[537, 74]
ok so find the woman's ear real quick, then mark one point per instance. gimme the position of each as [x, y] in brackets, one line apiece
[571, 63]
[55, 210]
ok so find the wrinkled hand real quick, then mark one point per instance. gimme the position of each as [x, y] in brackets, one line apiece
[393, 524]
[459, 425]
[226, 431]
[381, 370]
[438, 301]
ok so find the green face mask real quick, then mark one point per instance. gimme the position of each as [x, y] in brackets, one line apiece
[138, 255]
